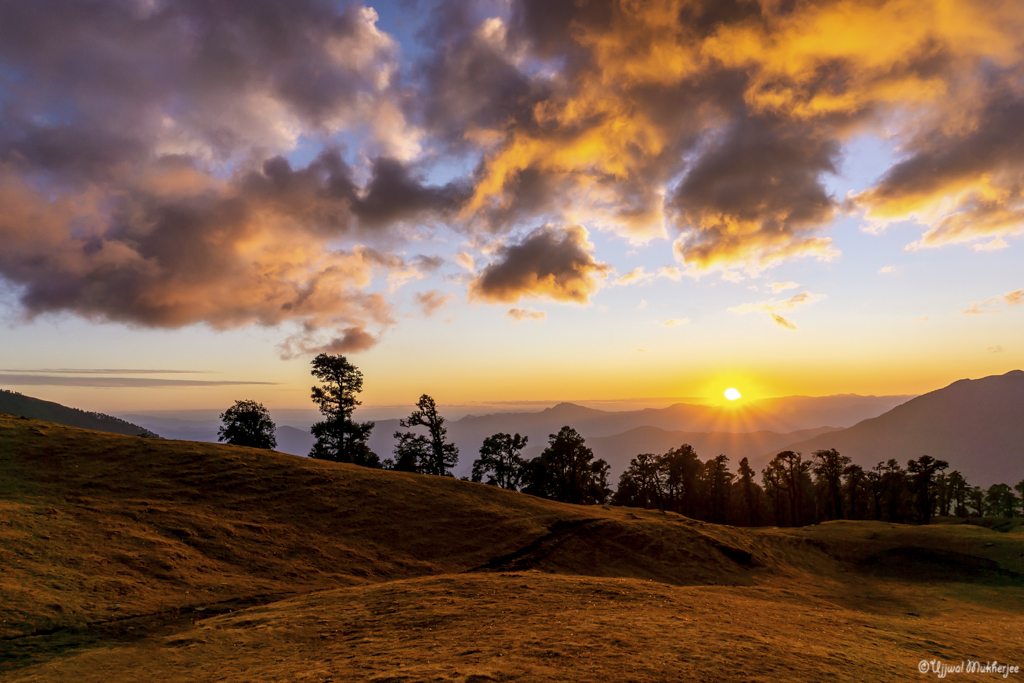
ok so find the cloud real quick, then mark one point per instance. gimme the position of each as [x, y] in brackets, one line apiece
[963, 180]
[311, 342]
[521, 314]
[141, 175]
[144, 146]
[995, 349]
[433, 301]
[642, 305]
[640, 275]
[674, 322]
[755, 198]
[551, 262]
[886, 269]
[989, 305]
[773, 307]
[15, 380]
[783, 286]
[109, 371]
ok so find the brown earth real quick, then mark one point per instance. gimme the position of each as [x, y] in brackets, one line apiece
[138, 560]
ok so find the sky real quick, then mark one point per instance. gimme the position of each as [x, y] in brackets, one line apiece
[508, 202]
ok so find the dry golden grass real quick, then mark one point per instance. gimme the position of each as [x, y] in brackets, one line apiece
[129, 559]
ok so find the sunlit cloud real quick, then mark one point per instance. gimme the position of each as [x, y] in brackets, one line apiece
[783, 286]
[772, 308]
[639, 275]
[674, 322]
[989, 305]
[521, 314]
[433, 301]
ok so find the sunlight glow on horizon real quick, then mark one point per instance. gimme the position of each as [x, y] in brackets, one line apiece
[733, 394]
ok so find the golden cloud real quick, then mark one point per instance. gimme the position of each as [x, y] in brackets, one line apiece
[772, 308]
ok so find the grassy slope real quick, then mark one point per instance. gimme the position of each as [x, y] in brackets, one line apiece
[16, 404]
[358, 573]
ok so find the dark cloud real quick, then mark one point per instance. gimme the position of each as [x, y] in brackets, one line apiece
[756, 195]
[350, 340]
[553, 263]
[966, 182]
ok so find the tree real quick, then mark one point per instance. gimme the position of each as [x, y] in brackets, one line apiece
[600, 492]
[749, 488]
[641, 485]
[828, 468]
[976, 497]
[1000, 500]
[566, 470]
[718, 480]
[501, 461]
[959, 490]
[794, 471]
[924, 470]
[854, 490]
[247, 423]
[773, 476]
[338, 437]
[431, 453]
[681, 468]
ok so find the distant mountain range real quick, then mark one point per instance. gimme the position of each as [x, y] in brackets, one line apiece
[13, 403]
[777, 416]
[975, 425]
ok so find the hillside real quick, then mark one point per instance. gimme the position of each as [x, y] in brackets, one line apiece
[130, 559]
[975, 425]
[13, 403]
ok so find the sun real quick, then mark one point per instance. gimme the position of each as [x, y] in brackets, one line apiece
[732, 393]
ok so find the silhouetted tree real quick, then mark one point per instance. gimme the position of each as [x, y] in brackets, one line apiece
[855, 488]
[959, 490]
[640, 485]
[894, 485]
[828, 468]
[976, 498]
[923, 471]
[247, 423]
[338, 437]
[718, 479]
[773, 476]
[600, 492]
[429, 453]
[681, 470]
[794, 477]
[749, 488]
[565, 472]
[876, 485]
[501, 461]
[1000, 501]
[1020, 489]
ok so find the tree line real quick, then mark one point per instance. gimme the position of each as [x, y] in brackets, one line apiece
[793, 490]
